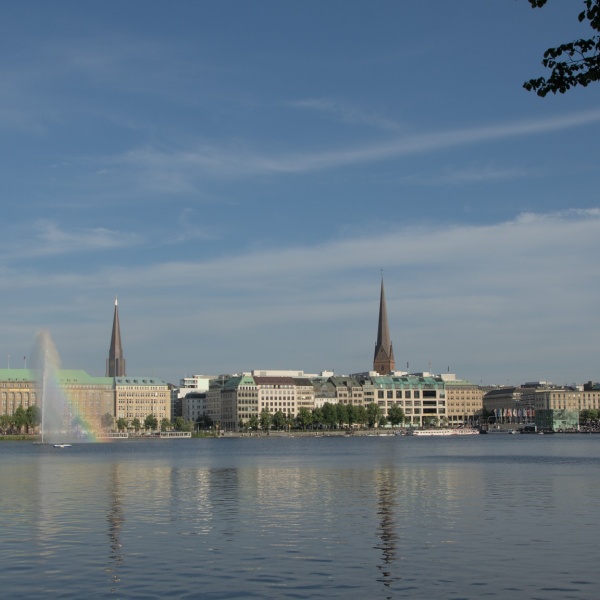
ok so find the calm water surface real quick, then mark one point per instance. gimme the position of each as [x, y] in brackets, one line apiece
[391, 517]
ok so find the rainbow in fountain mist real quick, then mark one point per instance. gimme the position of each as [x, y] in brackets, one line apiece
[58, 423]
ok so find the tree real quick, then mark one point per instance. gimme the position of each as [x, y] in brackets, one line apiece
[360, 415]
[304, 418]
[6, 423]
[136, 424]
[329, 414]
[33, 416]
[317, 417]
[266, 418]
[253, 423]
[178, 423]
[165, 424]
[342, 414]
[106, 421]
[289, 421]
[279, 420]
[395, 415]
[150, 422]
[20, 418]
[122, 424]
[374, 413]
[350, 414]
[204, 421]
[574, 63]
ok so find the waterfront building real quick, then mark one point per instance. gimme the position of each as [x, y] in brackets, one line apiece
[383, 360]
[323, 391]
[196, 384]
[246, 396]
[348, 390]
[305, 394]
[138, 397]
[464, 401]
[17, 388]
[193, 406]
[239, 401]
[86, 399]
[501, 403]
[591, 396]
[213, 400]
[280, 394]
[422, 397]
[89, 398]
[556, 420]
[115, 363]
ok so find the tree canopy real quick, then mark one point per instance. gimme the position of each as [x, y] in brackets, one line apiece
[150, 422]
[573, 63]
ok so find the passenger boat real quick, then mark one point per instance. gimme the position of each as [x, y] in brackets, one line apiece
[442, 432]
[62, 445]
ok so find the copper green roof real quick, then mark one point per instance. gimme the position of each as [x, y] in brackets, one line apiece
[135, 380]
[401, 381]
[65, 376]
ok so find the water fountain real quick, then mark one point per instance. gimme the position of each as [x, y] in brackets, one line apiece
[53, 402]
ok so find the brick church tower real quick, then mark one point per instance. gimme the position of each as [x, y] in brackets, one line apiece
[115, 363]
[383, 361]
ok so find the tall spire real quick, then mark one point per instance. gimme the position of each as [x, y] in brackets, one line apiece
[115, 363]
[383, 361]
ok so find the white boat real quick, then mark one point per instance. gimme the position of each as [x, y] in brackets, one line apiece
[442, 432]
[62, 445]
[465, 431]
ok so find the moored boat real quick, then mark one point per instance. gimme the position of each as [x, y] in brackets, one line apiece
[442, 432]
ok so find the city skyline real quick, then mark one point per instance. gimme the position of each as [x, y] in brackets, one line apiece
[239, 175]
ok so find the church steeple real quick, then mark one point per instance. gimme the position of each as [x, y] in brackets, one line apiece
[115, 363]
[383, 361]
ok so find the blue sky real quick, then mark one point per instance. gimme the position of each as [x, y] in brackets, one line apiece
[240, 173]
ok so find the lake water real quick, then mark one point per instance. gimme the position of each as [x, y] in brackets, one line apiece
[390, 517]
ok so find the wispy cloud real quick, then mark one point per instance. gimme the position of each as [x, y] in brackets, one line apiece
[455, 294]
[241, 159]
[347, 113]
[49, 239]
[190, 227]
[476, 173]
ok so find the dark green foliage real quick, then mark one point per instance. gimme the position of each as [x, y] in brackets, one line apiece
[374, 414]
[20, 418]
[33, 415]
[266, 419]
[150, 422]
[304, 418]
[574, 63]
[279, 420]
[395, 415]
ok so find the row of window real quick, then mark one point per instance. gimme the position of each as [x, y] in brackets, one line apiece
[410, 394]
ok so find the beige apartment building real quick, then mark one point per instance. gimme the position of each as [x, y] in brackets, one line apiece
[89, 398]
[348, 390]
[422, 397]
[464, 401]
[246, 396]
[138, 397]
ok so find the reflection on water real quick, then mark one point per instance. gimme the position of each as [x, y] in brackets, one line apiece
[115, 520]
[381, 518]
[387, 492]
